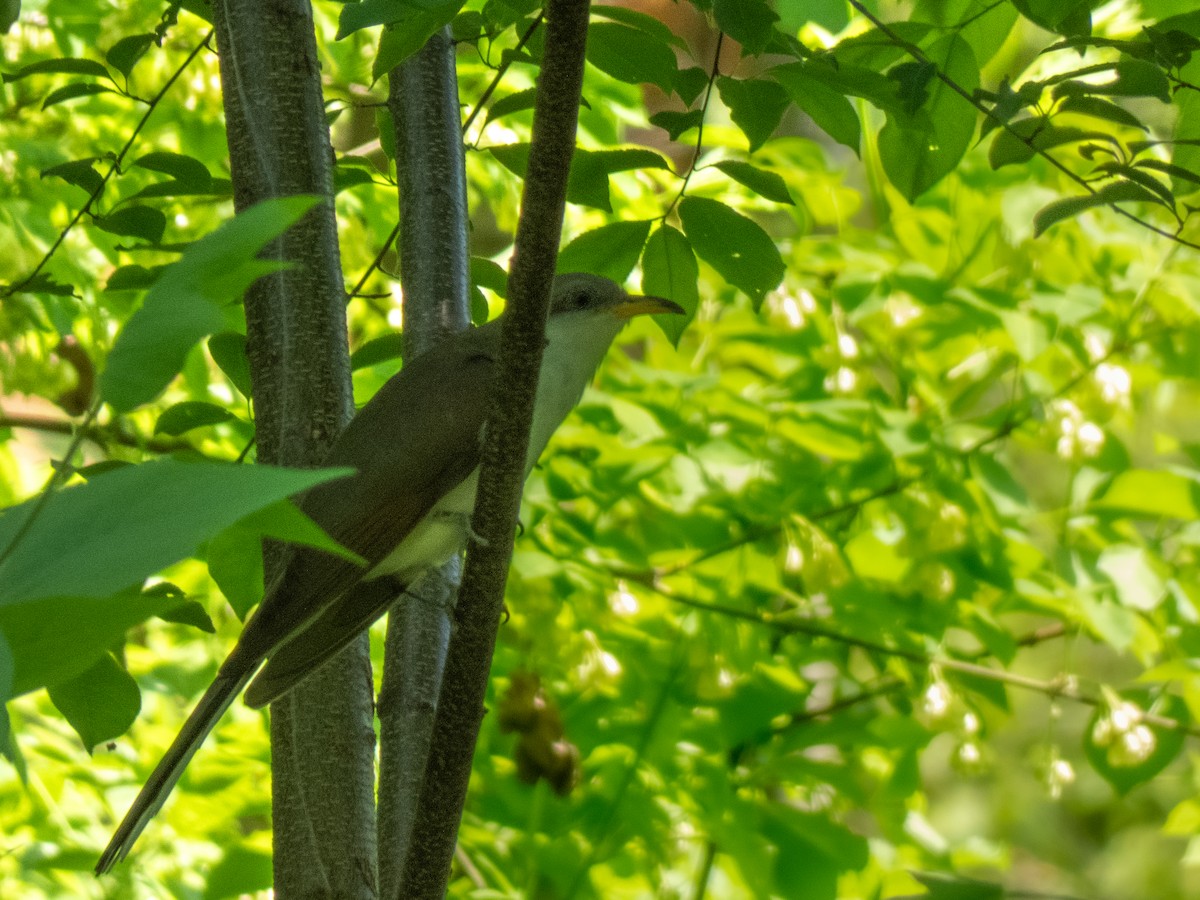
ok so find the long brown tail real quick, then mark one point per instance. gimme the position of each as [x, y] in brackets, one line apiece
[220, 694]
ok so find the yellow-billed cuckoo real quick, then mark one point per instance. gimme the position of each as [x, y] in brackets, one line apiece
[416, 448]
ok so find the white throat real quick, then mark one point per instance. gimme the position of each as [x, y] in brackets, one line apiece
[576, 343]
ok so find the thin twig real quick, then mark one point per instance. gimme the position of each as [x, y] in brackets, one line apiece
[395, 232]
[713, 74]
[86, 209]
[61, 472]
[1064, 686]
[100, 435]
[919, 55]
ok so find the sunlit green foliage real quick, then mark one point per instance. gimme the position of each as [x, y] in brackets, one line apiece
[883, 578]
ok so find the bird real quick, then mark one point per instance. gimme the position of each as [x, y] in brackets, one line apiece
[415, 448]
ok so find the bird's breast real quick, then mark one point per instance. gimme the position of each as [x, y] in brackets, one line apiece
[437, 537]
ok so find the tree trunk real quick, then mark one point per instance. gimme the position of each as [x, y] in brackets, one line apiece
[477, 615]
[322, 736]
[423, 97]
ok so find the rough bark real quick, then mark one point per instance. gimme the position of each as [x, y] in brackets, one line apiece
[423, 97]
[477, 615]
[322, 739]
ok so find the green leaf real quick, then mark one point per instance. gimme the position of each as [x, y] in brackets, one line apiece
[630, 55]
[1135, 78]
[186, 169]
[517, 102]
[183, 417]
[829, 108]
[189, 612]
[642, 22]
[62, 66]
[241, 871]
[690, 83]
[879, 557]
[101, 703]
[1012, 145]
[1151, 494]
[1069, 207]
[44, 283]
[408, 32]
[228, 350]
[1123, 758]
[185, 304]
[378, 350]
[58, 638]
[74, 91]
[10, 12]
[757, 107]
[749, 22]
[6, 693]
[1177, 173]
[675, 123]
[741, 252]
[235, 555]
[124, 54]
[489, 274]
[765, 184]
[757, 698]
[154, 514]
[670, 270]
[143, 222]
[611, 250]
[1072, 18]
[1133, 573]
[1100, 109]
[588, 181]
[79, 172]
[921, 148]
[945, 886]
[368, 13]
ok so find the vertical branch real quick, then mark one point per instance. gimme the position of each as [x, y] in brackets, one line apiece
[322, 739]
[460, 706]
[423, 97]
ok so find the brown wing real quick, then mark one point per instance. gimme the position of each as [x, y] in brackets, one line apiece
[409, 445]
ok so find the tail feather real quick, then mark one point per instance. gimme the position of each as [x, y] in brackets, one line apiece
[220, 694]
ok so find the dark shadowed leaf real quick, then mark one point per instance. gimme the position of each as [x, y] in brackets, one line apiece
[228, 350]
[65, 65]
[1069, 207]
[186, 169]
[765, 184]
[73, 92]
[675, 123]
[921, 146]
[377, 350]
[79, 172]
[183, 417]
[669, 270]
[749, 22]
[101, 703]
[611, 250]
[143, 222]
[734, 245]
[756, 107]
[829, 108]
[406, 33]
[630, 54]
[124, 54]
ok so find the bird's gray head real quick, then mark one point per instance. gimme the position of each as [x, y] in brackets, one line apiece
[579, 292]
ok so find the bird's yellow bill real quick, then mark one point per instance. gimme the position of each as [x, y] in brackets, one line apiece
[639, 306]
